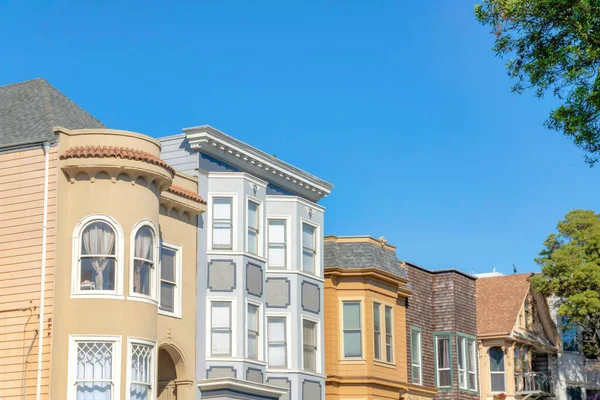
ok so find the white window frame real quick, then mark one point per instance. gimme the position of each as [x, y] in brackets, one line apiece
[260, 228]
[317, 249]
[288, 348]
[288, 247]
[377, 304]
[76, 291]
[210, 211]
[152, 298]
[318, 347]
[260, 336]
[412, 356]
[503, 373]
[177, 309]
[473, 343]
[233, 321]
[72, 363]
[154, 367]
[361, 302]
[388, 333]
[437, 336]
[461, 347]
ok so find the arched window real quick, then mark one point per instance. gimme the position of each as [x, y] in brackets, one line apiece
[144, 260]
[96, 249]
[497, 370]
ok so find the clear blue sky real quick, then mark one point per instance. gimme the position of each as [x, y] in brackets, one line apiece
[401, 105]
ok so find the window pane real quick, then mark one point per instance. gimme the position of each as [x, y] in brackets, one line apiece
[277, 355]
[376, 317]
[167, 264]
[252, 317]
[309, 337]
[222, 209]
[308, 236]
[415, 350]
[416, 375]
[252, 241]
[309, 333]
[94, 362]
[472, 356]
[310, 360]
[461, 353]
[144, 243]
[276, 255]
[472, 381]
[167, 297]
[308, 261]
[276, 330]
[352, 344]
[252, 345]
[496, 359]
[98, 238]
[252, 215]
[389, 347]
[389, 356]
[277, 231]
[443, 351]
[141, 277]
[220, 315]
[222, 235]
[220, 342]
[388, 319]
[351, 315]
[377, 343]
[97, 273]
[497, 382]
[94, 390]
[444, 378]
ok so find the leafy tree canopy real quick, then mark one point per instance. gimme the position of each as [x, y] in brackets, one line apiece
[554, 46]
[570, 265]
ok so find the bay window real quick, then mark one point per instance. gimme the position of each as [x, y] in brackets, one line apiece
[352, 333]
[98, 257]
[309, 344]
[253, 319]
[143, 261]
[276, 327]
[443, 365]
[277, 243]
[222, 223]
[220, 317]
[94, 368]
[141, 371]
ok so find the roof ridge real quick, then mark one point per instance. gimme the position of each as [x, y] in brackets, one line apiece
[48, 85]
[23, 82]
[45, 96]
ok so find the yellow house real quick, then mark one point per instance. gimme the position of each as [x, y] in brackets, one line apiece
[518, 340]
[365, 321]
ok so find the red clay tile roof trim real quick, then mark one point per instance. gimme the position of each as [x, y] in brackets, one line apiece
[125, 153]
[178, 190]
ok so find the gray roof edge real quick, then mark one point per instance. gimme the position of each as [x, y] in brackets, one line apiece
[258, 153]
[441, 271]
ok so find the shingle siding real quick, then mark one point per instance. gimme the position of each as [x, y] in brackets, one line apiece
[441, 302]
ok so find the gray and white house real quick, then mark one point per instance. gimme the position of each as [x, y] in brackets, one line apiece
[260, 269]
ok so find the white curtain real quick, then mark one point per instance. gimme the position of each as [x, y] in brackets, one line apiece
[99, 239]
[94, 371]
[144, 240]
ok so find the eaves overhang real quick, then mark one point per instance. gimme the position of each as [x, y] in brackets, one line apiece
[232, 151]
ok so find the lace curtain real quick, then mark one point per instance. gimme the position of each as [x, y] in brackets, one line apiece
[144, 240]
[99, 240]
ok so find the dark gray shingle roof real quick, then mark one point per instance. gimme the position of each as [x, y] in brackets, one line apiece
[362, 255]
[30, 110]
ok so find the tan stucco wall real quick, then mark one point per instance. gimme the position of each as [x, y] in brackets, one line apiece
[21, 216]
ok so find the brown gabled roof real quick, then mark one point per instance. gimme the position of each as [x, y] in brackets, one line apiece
[188, 194]
[499, 300]
[117, 152]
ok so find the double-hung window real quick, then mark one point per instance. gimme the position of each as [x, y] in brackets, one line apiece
[141, 371]
[253, 227]
[170, 271]
[309, 344]
[95, 369]
[222, 228]
[253, 330]
[389, 335]
[277, 244]
[377, 331]
[277, 342]
[462, 361]
[443, 359]
[352, 329]
[497, 372]
[220, 328]
[416, 356]
[98, 257]
[309, 248]
[143, 261]
[467, 362]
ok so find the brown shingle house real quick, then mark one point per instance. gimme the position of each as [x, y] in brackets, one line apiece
[441, 332]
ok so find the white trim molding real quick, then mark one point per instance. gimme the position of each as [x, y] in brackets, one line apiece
[237, 385]
[217, 144]
[177, 309]
[153, 365]
[152, 298]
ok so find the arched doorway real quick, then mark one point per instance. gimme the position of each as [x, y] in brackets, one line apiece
[167, 374]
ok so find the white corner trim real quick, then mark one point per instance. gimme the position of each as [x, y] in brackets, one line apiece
[258, 389]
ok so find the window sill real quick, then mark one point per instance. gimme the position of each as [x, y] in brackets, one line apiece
[142, 298]
[169, 314]
[350, 361]
[384, 364]
[223, 358]
[97, 295]
[295, 271]
[220, 252]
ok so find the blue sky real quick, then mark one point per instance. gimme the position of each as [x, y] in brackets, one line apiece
[401, 105]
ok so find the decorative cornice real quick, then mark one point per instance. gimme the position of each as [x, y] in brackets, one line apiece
[265, 166]
[381, 242]
[373, 273]
[125, 153]
[178, 190]
[257, 389]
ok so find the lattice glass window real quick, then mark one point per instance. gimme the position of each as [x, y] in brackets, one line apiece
[277, 245]
[141, 372]
[143, 261]
[94, 380]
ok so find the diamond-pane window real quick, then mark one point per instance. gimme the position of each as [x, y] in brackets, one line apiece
[141, 372]
[94, 370]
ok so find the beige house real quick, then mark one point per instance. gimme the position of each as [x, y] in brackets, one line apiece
[518, 340]
[98, 257]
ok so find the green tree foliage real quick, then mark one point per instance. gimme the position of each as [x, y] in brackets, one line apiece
[553, 46]
[571, 271]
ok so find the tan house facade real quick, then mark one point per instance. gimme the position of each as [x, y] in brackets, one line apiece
[99, 209]
[518, 341]
[365, 322]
